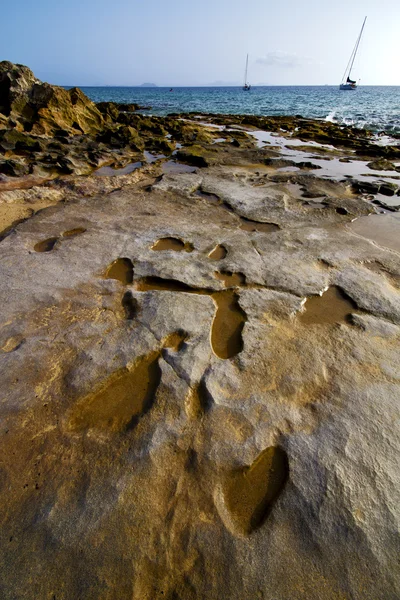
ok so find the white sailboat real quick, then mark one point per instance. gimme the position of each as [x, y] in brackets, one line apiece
[246, 86]
[347, 82]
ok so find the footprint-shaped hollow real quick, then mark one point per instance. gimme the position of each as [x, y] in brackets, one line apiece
[74, 232]
[219, 253]
[251, 225]
[45, 245]
[118, 402]
[171, 243]
[121, 269]
[227, 325]
[333, 306]
[250, 492]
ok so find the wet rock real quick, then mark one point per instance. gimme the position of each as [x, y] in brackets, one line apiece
[365, 187]
[388, 189]
[381, 165]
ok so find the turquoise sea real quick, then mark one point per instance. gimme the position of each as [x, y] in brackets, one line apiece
[373, 107]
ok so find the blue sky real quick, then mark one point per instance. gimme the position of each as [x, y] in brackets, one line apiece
[176, 42]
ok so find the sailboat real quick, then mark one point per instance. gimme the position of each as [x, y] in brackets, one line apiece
[246, 86]
[347, 82]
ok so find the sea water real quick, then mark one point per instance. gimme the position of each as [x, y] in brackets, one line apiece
[372, 107]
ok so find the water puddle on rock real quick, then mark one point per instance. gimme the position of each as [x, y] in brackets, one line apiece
[230, 279]
[335, 168]
[175, 340]
[121, 269]
[12, 344]
[250, 225]
[384, 230]
[227, 325]
[119, 401]
[219, 253]
[73, 232]
[45, 245]
[152, 158]
[111, 172]
[148, 284]
[334, 306]
[172, 167]
[171, 243]
[249, 493]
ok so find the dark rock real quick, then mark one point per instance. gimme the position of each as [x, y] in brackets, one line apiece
[381, 164]
[279, 163]
[20, 142]
[108, 108]
[122, 137]
[365, 187]
[13, 168]
[307, 165]
[15, 83]
[160, 145]
[132, 107]
[193, 155]
[388, 189]
[65, 165]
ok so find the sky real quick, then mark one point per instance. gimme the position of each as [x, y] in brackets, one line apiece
[176, 42]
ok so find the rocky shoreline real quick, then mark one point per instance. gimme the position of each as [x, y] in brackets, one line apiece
[199, 347]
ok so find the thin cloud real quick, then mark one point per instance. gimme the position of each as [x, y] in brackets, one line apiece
[284, 60]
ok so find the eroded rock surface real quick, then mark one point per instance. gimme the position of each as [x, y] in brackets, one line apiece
[219, 423]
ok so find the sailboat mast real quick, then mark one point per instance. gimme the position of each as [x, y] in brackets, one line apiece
[356, 47]
[245, 72]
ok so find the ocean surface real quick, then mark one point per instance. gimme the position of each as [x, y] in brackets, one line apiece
[371, 107]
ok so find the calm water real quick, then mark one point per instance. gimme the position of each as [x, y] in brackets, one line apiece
[374, 107]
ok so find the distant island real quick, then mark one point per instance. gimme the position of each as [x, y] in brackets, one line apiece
[148, 85]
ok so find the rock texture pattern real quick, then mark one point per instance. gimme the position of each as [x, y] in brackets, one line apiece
[149, 452]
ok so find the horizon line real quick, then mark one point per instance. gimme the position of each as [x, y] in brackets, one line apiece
[239, 85]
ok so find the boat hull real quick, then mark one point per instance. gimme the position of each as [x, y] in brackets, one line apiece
[347, 86]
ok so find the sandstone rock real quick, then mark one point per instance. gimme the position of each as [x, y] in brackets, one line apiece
[108, 108]
[16, 82]
[42, 108]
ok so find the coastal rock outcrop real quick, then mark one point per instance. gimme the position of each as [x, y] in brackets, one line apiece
[16, 81]
[44, 109]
